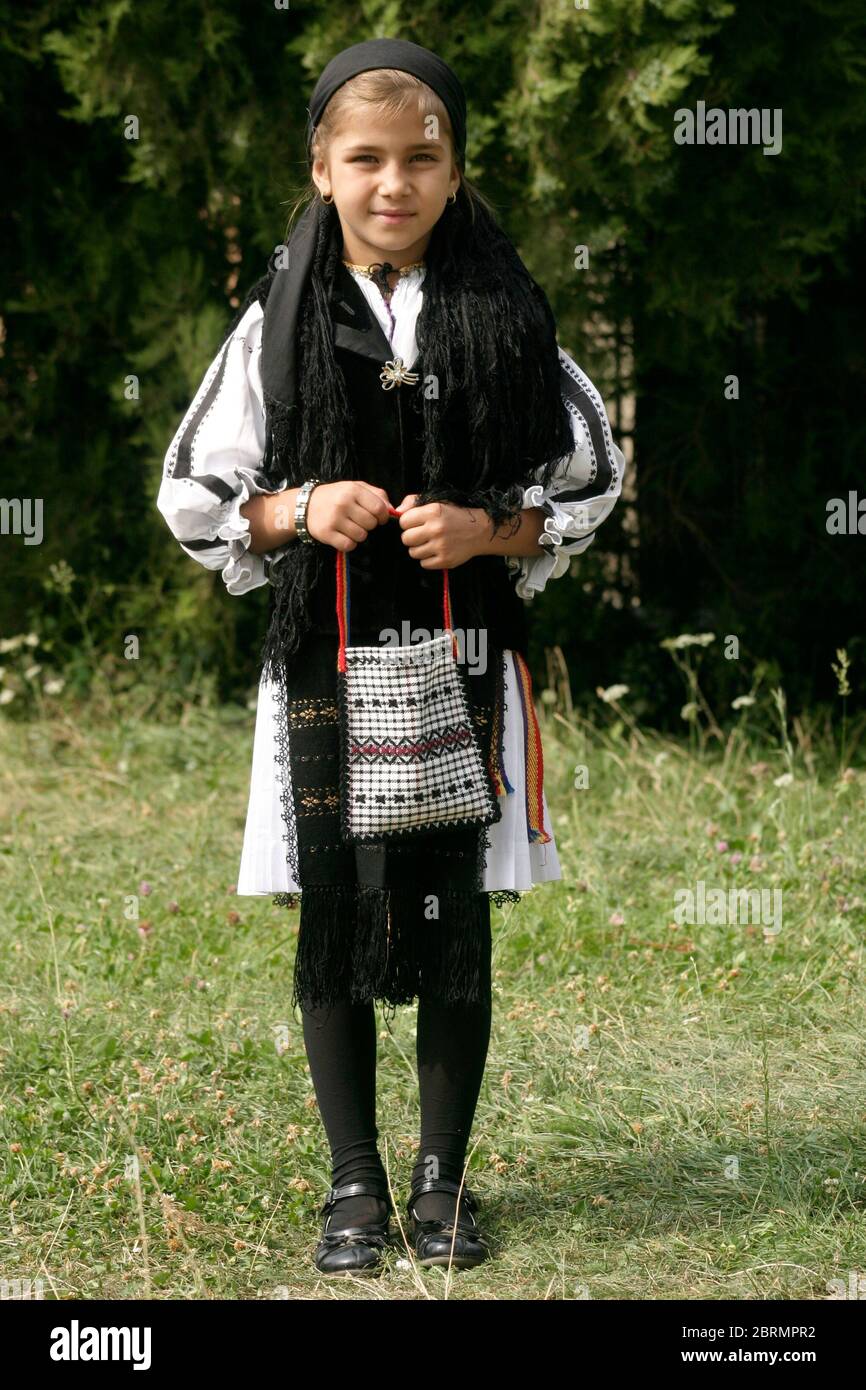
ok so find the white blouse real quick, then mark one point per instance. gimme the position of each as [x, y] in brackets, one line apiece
[213, 466]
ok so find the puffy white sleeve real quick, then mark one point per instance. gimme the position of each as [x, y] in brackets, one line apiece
[583, 491]
[213, 464]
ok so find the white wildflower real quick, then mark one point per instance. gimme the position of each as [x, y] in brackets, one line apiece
[688, 639]
[613, 692]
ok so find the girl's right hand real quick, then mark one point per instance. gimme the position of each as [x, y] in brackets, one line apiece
[341, 514]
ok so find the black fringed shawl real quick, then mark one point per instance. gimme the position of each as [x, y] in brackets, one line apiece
[487, 336]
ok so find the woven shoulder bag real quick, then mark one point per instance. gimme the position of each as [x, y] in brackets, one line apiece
[410, 758]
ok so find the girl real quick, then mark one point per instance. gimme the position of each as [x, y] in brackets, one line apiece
[397, 349]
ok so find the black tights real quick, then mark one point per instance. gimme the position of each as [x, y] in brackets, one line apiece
[451, 1051]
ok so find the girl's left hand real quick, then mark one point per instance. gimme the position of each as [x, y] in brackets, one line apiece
[440, 535]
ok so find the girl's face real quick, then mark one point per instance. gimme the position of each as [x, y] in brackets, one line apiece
[375, 167]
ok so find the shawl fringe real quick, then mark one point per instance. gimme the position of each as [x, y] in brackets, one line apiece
[368, 943]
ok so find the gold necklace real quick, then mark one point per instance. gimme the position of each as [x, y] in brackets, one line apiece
[369, 270]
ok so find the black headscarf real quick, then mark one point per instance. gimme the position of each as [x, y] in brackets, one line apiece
[392, 53]
[485, 332]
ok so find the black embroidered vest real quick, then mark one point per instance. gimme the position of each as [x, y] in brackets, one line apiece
[386, 585]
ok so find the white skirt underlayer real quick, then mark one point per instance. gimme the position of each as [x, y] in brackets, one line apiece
[511, 862]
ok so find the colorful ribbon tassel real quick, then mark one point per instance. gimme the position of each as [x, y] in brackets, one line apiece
[533, 755]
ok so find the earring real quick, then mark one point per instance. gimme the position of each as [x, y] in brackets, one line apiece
[329, 199]
[452, 197]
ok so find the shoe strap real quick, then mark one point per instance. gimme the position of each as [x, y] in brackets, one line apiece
[356, 1189]
[444, 1185]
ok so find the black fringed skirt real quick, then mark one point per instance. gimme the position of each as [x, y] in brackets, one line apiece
[390, 920]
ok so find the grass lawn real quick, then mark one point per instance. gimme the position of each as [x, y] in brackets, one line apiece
[671, 1109]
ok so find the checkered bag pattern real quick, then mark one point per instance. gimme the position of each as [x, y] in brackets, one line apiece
[410, 759]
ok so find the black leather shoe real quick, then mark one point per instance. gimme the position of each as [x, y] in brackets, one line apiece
[354, 1249]
[433, 1238]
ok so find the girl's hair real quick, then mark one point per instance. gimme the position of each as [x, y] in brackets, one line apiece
[388, 93]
